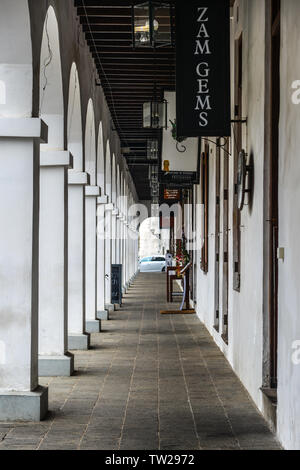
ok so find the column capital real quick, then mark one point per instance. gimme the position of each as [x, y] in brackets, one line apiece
[102, 200]
[56, 158]
[78, 178]
[30, 128]
[110, 206]
[92, 191]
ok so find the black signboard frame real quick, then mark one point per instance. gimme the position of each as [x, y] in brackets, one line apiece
[116, 284]
[203, 68]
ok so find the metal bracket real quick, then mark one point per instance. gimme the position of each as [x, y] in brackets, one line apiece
[239, 121]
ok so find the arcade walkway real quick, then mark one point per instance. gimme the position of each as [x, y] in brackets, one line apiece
[149, 382]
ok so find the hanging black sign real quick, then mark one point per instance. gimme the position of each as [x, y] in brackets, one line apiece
[203, 68]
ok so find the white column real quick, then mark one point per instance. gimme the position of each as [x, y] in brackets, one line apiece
[127, 254]
[54, 360]
[92, 324]
[77, 337]
[123, 241]
[102, 313]
[108, 256]
[119, 239]
[20, 396]
[113, 235]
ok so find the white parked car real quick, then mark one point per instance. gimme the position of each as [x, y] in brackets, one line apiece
[155, 263]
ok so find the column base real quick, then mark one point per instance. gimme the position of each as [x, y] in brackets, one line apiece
[79, 341]
[109, 307]
[93, 326]
[103, 315]
[56, 366]
[24, 406]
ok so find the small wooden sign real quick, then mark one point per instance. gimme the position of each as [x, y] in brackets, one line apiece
[172, 194]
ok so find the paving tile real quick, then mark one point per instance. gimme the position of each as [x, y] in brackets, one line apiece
[148, 382]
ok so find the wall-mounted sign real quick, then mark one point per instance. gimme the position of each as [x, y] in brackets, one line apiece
[203, 68]
[184, 179]
[172, 194]
[179, 169]
[178, 161]
[116, 284]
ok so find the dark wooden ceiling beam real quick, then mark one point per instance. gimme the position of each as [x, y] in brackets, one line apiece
[110, 3]
[146, 68]
[113, 21]
[131, 54]
[127, 76]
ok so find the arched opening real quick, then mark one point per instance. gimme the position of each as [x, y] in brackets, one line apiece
[51, 90]
[152, 245]
[15, 59]
[100, 160]
[113, 180]
[108, 226]
[101, 313]
[92, 324]
[74, 120]
[108, 183]
[90, 144]
[76, 216]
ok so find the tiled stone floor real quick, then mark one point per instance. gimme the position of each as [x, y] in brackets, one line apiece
[149, 382]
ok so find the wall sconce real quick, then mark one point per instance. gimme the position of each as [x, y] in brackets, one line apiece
[152, 24]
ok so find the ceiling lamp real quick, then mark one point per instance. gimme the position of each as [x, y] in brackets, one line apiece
[152, 24]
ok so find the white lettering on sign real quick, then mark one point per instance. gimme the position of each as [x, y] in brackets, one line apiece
[202, 11]
[202, 43]
[204, 103]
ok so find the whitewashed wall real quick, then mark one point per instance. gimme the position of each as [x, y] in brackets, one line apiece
[245, 349]
[289, 206]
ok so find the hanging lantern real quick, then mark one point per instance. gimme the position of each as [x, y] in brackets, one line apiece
[152, 149]
[153, 175]
[155, 114]
[154, 190]
[152, 24]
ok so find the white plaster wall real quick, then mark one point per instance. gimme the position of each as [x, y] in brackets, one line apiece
[245, 308]
[288, 415]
